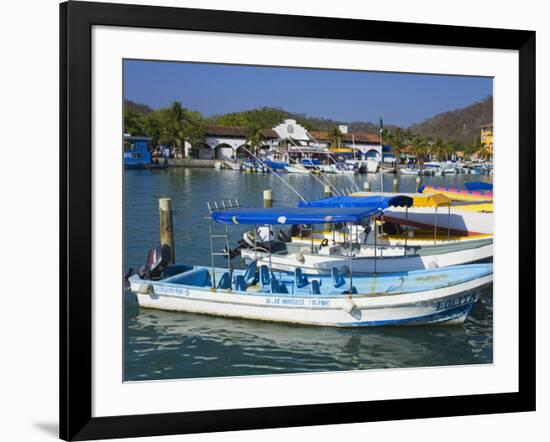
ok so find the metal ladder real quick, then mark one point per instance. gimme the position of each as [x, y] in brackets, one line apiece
[212, 208]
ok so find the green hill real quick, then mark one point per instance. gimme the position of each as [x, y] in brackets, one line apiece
[460, 125]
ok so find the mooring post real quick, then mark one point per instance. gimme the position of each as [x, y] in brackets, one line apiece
[366, 186]
[417, 183]
[166, 228]
[395, 184]
[268, 202]
[327, 192]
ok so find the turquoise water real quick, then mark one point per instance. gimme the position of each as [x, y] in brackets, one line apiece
[165, 345]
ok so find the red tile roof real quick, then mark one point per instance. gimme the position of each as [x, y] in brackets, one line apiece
[359, 137]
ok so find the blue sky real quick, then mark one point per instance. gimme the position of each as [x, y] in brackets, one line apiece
[401, 99]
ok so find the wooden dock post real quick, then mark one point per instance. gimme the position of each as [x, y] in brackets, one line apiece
[366, 186]
[395, 184]
[268, 202]
[166, 227]
[327, 192]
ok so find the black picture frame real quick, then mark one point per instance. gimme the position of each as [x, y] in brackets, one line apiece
[76, 21]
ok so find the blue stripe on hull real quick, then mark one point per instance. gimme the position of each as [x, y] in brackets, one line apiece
[433, 318]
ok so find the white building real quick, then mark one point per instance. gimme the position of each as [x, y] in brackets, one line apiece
[289, 137]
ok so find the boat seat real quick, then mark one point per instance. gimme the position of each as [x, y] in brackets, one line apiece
[278, 288]
[225, 281]
[315, 287]
[250, 273]
[265, 276]
[353, 291]
[300, 280]
[337, 279]
[240, 283]
[196, 277]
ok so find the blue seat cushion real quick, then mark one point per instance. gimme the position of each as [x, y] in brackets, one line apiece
[196, 277]
[240, 283]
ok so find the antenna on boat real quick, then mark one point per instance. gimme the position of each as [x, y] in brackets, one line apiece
[335, 162]
[325, 182]
[271, 170]
[314, 166]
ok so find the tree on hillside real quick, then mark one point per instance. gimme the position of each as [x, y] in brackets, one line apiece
[133, 122]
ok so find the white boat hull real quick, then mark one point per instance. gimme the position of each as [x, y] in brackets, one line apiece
[372, 166]
[387, 260]
[297, 169]
[447, 305]
[460, 222]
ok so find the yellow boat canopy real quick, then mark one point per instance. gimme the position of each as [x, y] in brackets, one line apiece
[436, 200]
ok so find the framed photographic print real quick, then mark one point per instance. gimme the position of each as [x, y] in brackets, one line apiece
[273, 220]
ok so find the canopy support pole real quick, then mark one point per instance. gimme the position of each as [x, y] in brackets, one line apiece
[212, 254]
[255, 242]
[435, 226]
[228, 252]
[350, 261]
[375, 246]
[269, 242]
[407, 229]
[449, 223]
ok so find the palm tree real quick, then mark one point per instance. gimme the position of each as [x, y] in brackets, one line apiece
[180, 125]
[254, 138]
[397, 141]
[335, 137]
[440, 149]
[420, 149]
[484, 152]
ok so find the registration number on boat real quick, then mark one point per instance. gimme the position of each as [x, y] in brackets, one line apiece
[457, 302]
[298, 302]
[172, 291]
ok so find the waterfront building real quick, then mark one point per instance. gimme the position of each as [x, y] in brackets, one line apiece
[226, 143]
[278, 143]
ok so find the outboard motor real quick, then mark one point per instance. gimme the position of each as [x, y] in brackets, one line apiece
[233, 252]
[157, 260]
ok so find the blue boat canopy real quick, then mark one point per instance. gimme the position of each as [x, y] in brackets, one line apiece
[293, 215]
[376, 202]
[275, 165]
[478, 185]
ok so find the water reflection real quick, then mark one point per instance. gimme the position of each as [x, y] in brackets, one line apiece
[164, 345]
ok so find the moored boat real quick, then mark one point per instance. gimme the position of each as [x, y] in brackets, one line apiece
[373, 250]
[409, 171]
[441, 296]
[459, 194]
